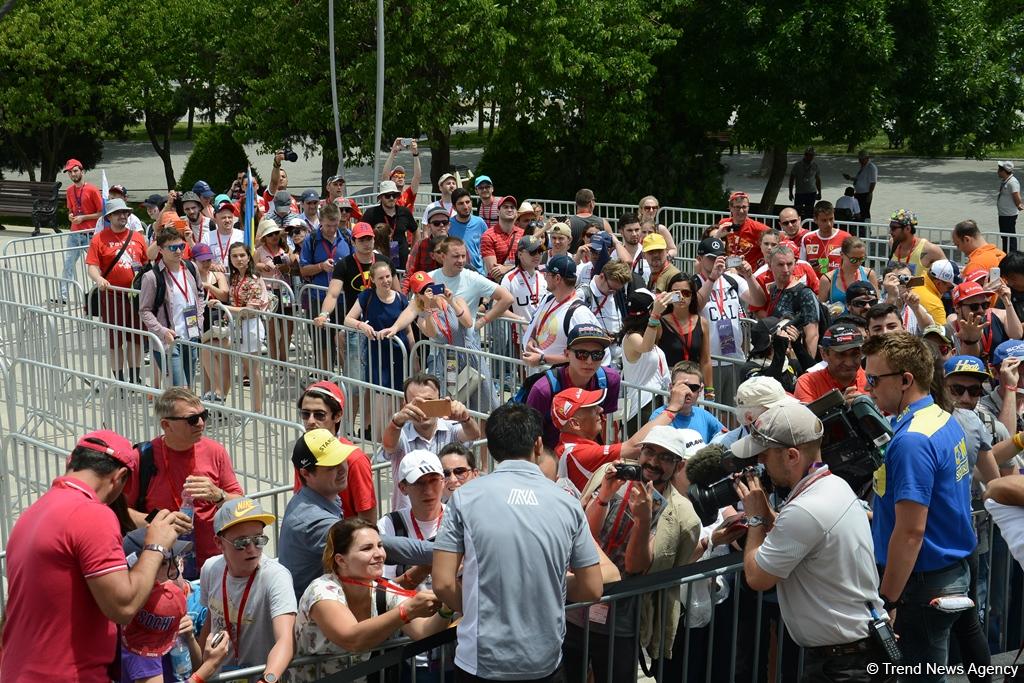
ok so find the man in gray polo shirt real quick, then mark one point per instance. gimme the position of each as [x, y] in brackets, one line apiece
[817, 549]
[520, 536]
[320, 460]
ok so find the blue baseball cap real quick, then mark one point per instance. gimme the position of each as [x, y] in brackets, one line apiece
[310, 196]
[480, 179]
[965, 365]
[604, 238]
[1014, 348]
[203, 189]
[561, 265]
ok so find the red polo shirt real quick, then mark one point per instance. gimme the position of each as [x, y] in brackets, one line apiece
[84, 200]
[813, 385]
[579, 458]
[746, 241]
[501, 245]
[54, 629]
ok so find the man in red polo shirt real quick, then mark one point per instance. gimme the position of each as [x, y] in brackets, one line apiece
[321, 407]
[68, 579]
[85, 204]
[499, 242]
[579, 417]
[186, 462]
[823, 248]
[840, 347]
[742, 234]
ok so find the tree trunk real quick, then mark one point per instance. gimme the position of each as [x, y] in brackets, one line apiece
[162, 151]
[765, 169]
[329, 161]
[490, 124]
[778, 174]
[480, 113]
[440, 154]
[191, 120]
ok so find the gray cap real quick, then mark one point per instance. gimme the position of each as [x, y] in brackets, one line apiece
[310, 196]
[436, 211]
[783, 426]
[283, 198]
[115, 205]
[191, 197]
[239, 510]
[529, 243]
[387, 187]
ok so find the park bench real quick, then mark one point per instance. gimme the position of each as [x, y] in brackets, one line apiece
[37, 201]
[723, 139]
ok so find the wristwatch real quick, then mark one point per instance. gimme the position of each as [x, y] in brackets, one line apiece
[158, 548]
[268, 678]
[756, 520]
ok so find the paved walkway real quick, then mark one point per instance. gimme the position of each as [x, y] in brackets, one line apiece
[941, 191]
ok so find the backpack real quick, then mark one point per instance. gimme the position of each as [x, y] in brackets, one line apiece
[147, 468]
[398, 522]
[552, 375]
[161, 283]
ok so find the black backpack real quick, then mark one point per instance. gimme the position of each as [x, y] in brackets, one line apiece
[552, 375]
[147, 468]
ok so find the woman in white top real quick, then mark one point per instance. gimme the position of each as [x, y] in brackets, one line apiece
[339, 613]
[643, 362]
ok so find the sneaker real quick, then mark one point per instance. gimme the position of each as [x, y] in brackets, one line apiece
[209, 396]
[61, 301]
[246, 382]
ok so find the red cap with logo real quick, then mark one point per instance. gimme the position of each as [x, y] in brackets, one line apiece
[72, 163]
[153, 630]
[569, 401]
[329, 389]
[966, 290]
[114, 445]
[419, 280]
[362, 229]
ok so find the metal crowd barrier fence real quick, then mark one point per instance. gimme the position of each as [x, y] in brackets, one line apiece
[479, 379]
[39, 243]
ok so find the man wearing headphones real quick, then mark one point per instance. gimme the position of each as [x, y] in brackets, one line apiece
[921, 527]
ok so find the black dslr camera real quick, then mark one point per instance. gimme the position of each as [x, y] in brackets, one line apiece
[709, 499]
[290, 154]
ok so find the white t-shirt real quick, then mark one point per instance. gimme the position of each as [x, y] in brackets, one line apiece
[850, 203]
[176, 299]
[1010, 519]
[604, 309]
[221, 245]
[547, 329]
[527, 291]
[725, 302]
[1004, 200]
[866, 175]
[470, 286]
[822, 550]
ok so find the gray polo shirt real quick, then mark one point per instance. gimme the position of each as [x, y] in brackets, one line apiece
[519, 534]
[300, 548]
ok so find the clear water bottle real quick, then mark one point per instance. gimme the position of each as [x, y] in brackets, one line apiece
[181, 660]
[188, 507]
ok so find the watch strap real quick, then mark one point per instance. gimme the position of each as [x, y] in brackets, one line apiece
[158, 548]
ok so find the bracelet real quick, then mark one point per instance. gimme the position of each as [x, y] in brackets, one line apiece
[673, 413]
[445, 613]
[542, 361]
[654, 322]
[196, 678]
[416, 155]
[655, 316]
[403, 613]
[395, 423]
[1018, 441]
[600, 502]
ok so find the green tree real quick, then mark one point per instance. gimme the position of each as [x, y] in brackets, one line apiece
[61, 80]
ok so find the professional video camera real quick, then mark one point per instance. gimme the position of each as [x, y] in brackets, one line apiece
[853, 447]
[855, 438]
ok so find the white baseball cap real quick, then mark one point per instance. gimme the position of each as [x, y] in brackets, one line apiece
[417, 463]
[942, 270]
[683, 442]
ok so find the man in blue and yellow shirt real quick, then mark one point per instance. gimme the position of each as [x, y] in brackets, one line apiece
[922, 510]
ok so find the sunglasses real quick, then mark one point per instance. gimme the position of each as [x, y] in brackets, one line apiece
[345, 209]
[977, 307]
[660, 456]
[390, 195]
[856, 260]
[872, 380]
[651, 208]
[684, 293]
[791, 221]
[438, 224]
[459, 472]
[175, 248]
[974, 390]
[318, 415]
[584, 355]
[245, 541]
[695, 388]
[192, 419]
[861, 303]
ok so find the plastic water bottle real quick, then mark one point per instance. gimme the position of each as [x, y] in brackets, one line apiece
[181, 660]
[188, 508]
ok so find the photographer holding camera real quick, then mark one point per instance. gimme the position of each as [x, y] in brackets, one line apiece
[644, 525]
[816, 549]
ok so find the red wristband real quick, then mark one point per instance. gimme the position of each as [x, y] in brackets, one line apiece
[196, 678]
[403, 613]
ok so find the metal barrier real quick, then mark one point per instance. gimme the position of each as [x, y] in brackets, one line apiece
[37, 244]
[479, 379]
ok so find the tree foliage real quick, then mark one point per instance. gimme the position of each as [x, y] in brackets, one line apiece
[216, 158]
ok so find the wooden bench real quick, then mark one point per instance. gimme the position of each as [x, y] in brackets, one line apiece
[37, 201]
[722, 139]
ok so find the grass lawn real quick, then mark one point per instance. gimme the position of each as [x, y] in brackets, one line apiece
[879, 147]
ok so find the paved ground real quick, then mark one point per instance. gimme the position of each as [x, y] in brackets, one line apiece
[941, 191]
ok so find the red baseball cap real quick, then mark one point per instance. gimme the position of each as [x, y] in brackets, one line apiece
[967, 290]
[153, 630]
[569, 401]
[114, 445]
[509, 198]
[227, 205]
[419, 280]
[362, 229]
[325, 388]
[71, 164]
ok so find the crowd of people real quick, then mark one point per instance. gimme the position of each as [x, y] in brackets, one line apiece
[641, 372]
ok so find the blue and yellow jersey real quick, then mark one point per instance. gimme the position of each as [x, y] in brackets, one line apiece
[926, 463]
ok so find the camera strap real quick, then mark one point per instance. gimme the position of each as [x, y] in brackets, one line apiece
[809, 480]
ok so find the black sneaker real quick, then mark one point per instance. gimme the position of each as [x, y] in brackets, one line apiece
[246, 382]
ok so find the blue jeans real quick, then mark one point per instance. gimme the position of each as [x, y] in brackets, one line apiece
[924, 631]
[183, 363]
[78, 242]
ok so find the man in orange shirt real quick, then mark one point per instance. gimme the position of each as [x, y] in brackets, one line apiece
[740, 232]
[840, 347]
[981, 256]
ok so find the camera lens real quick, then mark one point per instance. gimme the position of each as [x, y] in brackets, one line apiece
[290, 155]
